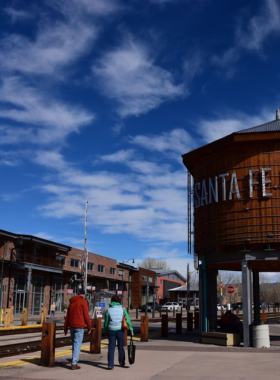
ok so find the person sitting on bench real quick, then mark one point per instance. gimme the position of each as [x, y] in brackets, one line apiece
[231, 323]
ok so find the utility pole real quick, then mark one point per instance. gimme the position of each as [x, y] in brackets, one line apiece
[188, 286]
[85, 261]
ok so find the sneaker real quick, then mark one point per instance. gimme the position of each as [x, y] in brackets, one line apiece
[75, 366]
[110, 367]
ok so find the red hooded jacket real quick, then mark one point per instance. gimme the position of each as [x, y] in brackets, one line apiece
[77, 314]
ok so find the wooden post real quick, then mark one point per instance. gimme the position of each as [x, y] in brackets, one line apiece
[125, 338]
[43, 314]
[174, 312]
[12, 314]
[95, 336]
[24, 317]
[178, 323]
[190, 322]
[196, 320]
[7, 318]
[48, 345]
[144, 329]
[237, 312]
[263, 316]
[164, 325]
[275, 313]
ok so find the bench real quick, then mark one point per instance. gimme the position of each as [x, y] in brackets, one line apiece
[221, 338]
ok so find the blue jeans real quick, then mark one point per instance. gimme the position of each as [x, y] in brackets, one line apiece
[114, 336]
[77, 336]
[52, 314]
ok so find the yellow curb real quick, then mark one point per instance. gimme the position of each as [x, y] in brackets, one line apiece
[19, 327]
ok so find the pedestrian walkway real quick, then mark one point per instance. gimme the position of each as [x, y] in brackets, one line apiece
[178, 357]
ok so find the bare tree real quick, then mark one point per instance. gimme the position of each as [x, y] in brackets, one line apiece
[153, 263]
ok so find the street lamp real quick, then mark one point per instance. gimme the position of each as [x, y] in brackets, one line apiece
[124, 262]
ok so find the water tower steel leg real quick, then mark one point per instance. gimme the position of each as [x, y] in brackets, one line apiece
[247, 301]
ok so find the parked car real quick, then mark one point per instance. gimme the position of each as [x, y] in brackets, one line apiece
[150, 306]
[219, 307]
[169, 306]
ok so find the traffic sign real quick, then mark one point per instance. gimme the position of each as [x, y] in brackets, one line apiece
[230, 289]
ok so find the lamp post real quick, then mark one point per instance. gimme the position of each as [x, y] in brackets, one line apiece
[124, 262]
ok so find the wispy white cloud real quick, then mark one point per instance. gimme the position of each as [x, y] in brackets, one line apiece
[229, 122]
[44, 120]
[176, 141]
[18, 15]
[45, 235]
[251, 34]
[129, 75]
[56, 46]
[148, 201]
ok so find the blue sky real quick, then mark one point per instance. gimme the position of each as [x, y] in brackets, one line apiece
[99, 100]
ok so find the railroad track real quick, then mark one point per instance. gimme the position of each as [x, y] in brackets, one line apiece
[35, 345]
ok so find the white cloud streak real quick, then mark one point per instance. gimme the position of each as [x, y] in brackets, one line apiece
[44, 120]
[251, 35]
[130, 76]
[229, 122]
[148, 202]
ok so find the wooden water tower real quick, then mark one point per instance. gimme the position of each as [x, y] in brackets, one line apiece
[236, 210]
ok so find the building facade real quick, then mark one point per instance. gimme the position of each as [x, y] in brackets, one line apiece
[36, 272]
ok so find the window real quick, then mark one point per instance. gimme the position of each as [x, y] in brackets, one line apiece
[101, 268]
[74, 263]
[150, 279]
[37, 256]
[62, 260]
[20, 253]
[121, 272]
[112, 271]
[112, 287]
[144, 278]
[90, 266]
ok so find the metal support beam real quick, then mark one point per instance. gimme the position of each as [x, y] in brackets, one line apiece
[204, 295]
[212, 299]
[247, 301]
[256, 293]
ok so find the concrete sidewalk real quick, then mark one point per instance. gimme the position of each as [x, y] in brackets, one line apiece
[179, 357]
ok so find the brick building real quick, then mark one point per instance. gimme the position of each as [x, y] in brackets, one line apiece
[143, 287]
[165, 280]
[37, 272]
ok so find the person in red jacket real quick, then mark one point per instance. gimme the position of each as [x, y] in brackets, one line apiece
[76, 319]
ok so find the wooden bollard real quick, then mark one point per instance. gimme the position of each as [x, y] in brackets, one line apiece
[190, 322]
[174, 311]
[237, 312]
[178, 323]
[7, 318]
[275, 313]
[263, 316]
[24, 317]
[144, 329]
[48, 345]
[196, 320]
[164, 325]
[95, 336]
[43, 314]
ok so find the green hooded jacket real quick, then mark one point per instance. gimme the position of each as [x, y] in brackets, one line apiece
[107, 318]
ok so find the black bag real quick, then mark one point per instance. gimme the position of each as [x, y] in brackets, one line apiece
[131, 351]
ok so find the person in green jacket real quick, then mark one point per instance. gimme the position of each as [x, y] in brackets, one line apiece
[113, 327]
